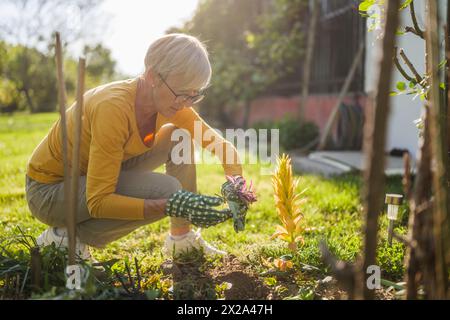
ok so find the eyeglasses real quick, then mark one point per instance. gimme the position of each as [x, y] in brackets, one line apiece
[179, 98]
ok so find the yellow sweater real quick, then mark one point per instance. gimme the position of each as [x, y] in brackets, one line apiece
[110, 136]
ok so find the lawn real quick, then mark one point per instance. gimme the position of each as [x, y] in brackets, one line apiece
[332, 212]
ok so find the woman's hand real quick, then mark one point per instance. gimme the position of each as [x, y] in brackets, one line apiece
[196, 208]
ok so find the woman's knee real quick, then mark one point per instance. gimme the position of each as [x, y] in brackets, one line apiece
[171, 185]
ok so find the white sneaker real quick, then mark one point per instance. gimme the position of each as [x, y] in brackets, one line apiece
[192, 240]
[50, 236]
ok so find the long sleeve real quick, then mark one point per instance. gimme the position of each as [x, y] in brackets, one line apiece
[109, 133]
[211, 140]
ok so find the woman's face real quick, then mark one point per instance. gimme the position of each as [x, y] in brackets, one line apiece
[165, 95]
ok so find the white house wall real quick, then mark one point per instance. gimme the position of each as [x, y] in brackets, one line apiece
[402, 132]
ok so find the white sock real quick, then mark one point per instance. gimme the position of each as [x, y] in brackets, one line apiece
[179, 237]
[61, 232]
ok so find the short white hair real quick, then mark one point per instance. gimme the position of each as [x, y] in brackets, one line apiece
[181, 55]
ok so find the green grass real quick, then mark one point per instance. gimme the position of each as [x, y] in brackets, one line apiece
[333, 209]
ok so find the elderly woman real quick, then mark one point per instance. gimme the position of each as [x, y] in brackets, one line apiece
[126, 135]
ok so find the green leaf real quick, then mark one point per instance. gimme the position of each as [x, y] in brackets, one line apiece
[401, 86]
[400, 32]
[388, 283]
[442, 85]
[286, 257]
[250, 39]
[365, 5]
[270, 281]
[405, 4]
[442, 63]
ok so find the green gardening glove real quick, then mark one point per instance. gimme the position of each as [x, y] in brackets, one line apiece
[197, 208]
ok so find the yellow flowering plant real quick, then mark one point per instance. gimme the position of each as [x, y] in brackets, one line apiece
[288, 203]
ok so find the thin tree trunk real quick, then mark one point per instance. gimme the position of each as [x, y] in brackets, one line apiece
[312, 30]
[30, 103]
[419, 205]
[439, 153]
[374, 147]
[406, 181]
[421, 255]
[62, 99]
[447, 114]
[447, 82]
[24, 78]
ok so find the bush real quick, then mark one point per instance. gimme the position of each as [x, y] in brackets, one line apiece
[31, 73]
[9, 96]
[293, 134]
[391, 258]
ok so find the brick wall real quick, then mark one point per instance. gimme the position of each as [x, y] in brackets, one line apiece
[318, 108]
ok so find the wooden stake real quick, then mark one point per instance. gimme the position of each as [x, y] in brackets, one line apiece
[62, 100]
[75, 173]
[36, 268]
[70, 185]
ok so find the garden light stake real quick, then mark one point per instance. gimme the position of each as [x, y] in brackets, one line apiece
[393, 201]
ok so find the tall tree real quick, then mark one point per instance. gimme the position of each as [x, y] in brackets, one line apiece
[27, 26]
[253, 44]
[31, 23]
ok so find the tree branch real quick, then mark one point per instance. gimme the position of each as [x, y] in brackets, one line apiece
[411, 30]
[344, 272]
[400, 68]
[407, 242]
[411, 67]
[412, 10]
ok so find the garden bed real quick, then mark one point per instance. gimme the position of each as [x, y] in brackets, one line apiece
[332, 213]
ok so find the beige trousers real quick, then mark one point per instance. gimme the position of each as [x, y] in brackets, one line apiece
[136, 179]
